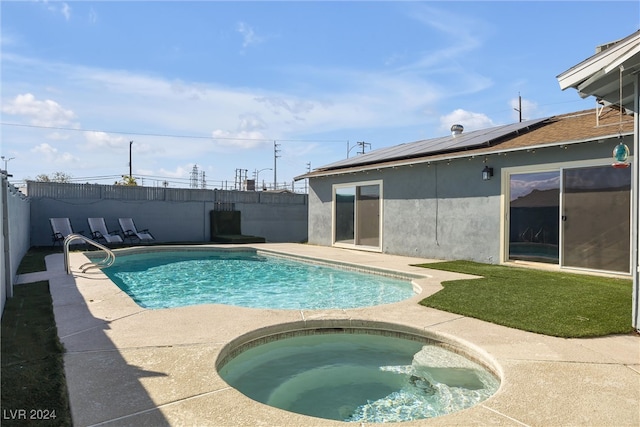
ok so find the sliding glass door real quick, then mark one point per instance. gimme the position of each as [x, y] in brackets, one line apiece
[357, 213]
[596, 218]
[574, 217]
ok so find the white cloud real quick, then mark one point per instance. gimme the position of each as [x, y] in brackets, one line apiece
[137, 102]
[96, 139]
[44, 149]
[58, 136]
[179, 172]
[249, 36]
[93, 16]
[468, 119]
[55, 7]
[227, 119]
[66, 11]
[294, 106]
[464, 35]
[241, 139]
[52, 155]
[41, 113]
[251, 123]
[8, 40]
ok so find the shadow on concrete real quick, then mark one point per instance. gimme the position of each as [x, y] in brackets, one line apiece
[104, 388]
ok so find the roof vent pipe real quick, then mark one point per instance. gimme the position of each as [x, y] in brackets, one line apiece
[456, 130]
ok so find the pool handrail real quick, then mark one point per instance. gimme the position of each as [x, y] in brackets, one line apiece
[106, 262]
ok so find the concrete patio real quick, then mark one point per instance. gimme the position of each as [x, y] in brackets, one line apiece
[129, 366]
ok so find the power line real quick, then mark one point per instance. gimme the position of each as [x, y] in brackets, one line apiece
[166, 135]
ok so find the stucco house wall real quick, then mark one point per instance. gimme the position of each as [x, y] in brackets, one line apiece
[444, 210]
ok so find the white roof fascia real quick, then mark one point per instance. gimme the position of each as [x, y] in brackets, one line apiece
[597, 62]
[622, 59]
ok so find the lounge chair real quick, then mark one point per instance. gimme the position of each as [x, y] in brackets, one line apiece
[61, 228]
[130, 232]
[99, 231]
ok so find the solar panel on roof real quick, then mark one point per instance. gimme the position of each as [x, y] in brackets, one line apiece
[425, 147]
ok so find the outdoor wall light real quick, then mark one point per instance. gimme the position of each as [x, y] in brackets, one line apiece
[487, 173]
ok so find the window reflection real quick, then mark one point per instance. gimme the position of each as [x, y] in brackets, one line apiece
[344, 215]
[534, 217]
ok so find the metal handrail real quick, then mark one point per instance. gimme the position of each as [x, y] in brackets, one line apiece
[106, 262]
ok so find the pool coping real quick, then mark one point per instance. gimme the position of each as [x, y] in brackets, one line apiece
[130, 366]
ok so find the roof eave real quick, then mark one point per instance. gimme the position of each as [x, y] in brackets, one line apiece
[440, 158]
[600, 61]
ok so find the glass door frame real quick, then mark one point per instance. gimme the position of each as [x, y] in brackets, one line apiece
[355, 185]
[548, 167]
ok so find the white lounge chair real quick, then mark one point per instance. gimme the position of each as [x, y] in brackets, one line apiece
[61, 228]
[130, 232]
[99, 231]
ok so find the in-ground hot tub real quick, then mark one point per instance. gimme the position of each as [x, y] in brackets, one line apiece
[368, 373]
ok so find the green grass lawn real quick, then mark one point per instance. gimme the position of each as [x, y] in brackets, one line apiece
[551, 303]
[32, 367]
[34, 390]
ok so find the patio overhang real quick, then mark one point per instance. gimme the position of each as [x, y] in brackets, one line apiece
[612, 75]
[600, 75]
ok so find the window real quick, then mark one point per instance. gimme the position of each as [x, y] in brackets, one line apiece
[356, 215]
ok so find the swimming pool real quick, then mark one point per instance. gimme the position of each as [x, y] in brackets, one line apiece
[247, 278]
[357, 375]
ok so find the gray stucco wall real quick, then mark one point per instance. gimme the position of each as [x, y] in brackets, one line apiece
[443, 210]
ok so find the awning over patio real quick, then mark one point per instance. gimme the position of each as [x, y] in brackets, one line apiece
[599, 75]
[612, 70]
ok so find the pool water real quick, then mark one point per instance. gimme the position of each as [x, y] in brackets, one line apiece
[245, 278]
[359, 377]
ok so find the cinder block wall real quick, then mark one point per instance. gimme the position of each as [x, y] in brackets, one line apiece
[177, 218]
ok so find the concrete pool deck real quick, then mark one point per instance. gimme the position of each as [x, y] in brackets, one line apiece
[129, 366]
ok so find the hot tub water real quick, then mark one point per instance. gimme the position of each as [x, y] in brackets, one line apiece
[359, 377]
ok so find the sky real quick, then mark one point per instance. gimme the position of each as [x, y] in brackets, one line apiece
[214, 92]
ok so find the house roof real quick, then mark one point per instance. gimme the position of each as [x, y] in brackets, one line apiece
[599, 75]
[453, 143]
[567, 129]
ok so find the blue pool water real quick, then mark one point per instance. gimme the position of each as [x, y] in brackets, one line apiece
[361, 378]
[247, 279]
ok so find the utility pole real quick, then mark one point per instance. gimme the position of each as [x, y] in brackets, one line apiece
[275, 165]
[130, 165]
[519, 109]
[6, 161]
[363, 145]
[306, 181]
